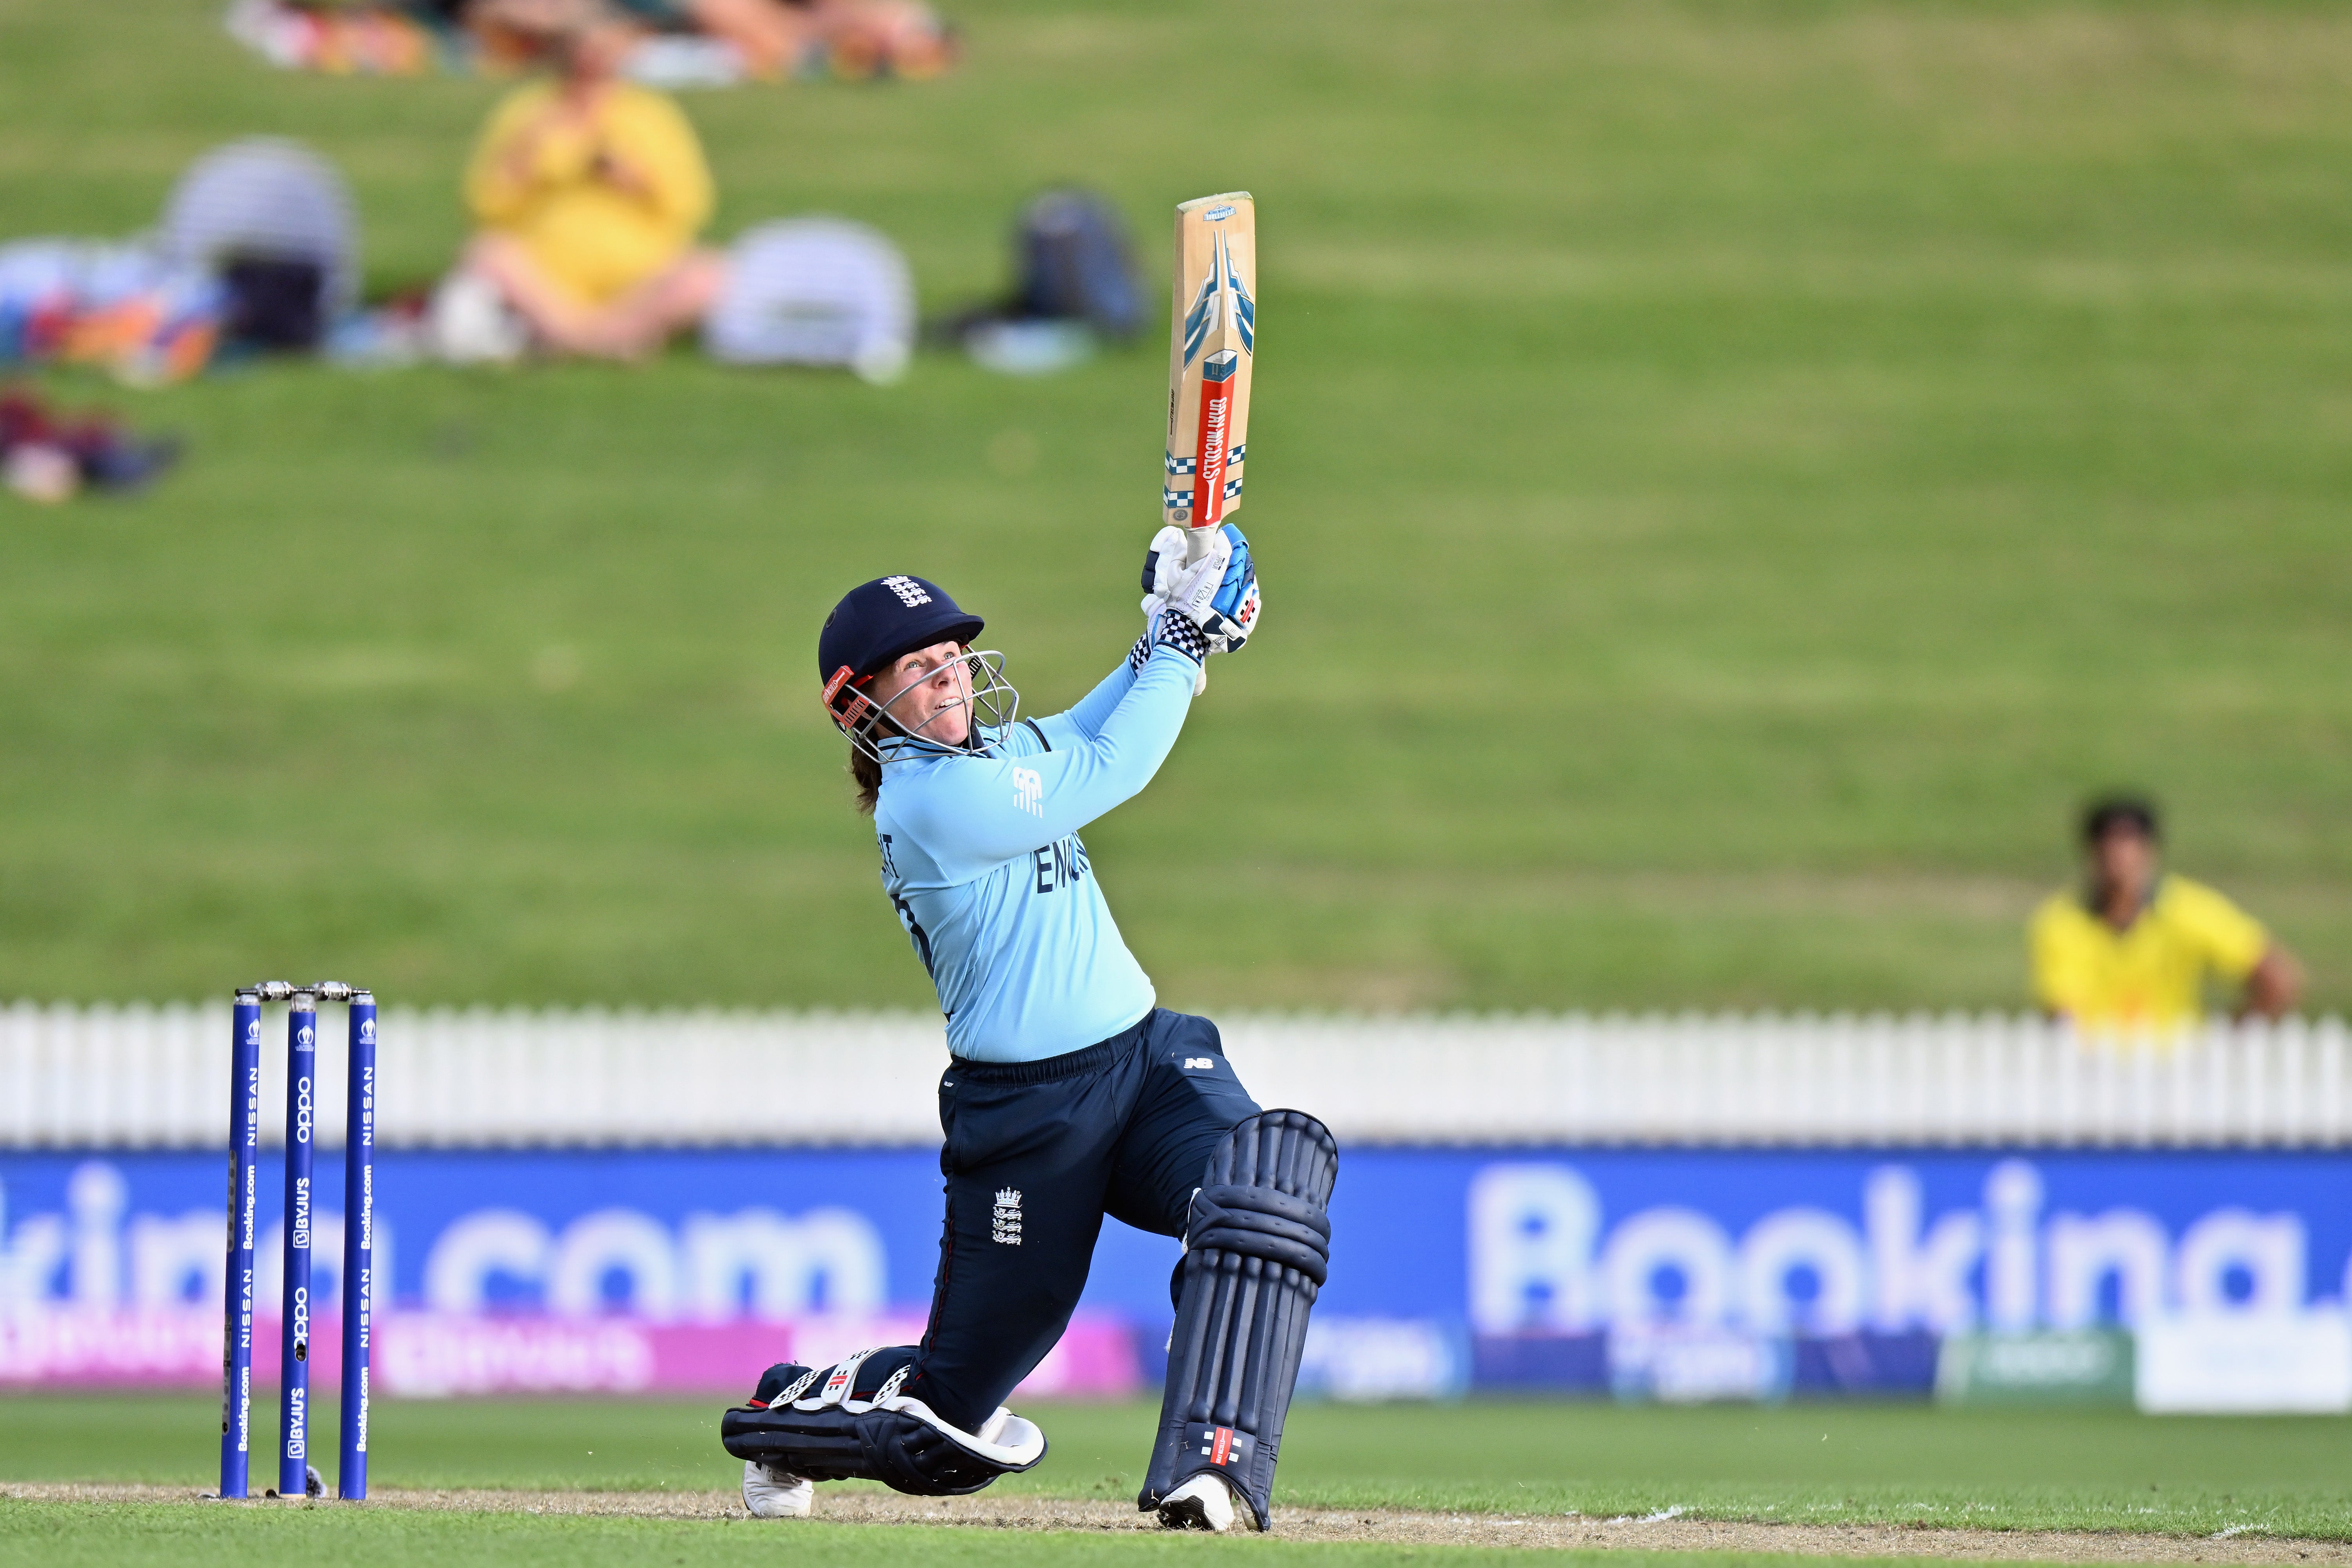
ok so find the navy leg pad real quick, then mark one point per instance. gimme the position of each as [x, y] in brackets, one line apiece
[1257, 1250]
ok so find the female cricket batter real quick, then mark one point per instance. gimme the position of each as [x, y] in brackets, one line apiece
[1068, 1094]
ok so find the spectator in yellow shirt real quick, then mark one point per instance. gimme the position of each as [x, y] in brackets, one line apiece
[588, 193]
[2132, 952]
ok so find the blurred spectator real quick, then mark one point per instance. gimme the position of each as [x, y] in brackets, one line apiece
[2133, 949]
[50, 456]
[95, 303]
[273, 221]
[685, 42]
[815, 290]
[1074, 283]
[589, 191]
[854, 39]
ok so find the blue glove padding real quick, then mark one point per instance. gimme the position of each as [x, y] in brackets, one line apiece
[1218, 591]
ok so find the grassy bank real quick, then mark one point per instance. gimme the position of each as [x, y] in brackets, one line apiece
[1729, 478]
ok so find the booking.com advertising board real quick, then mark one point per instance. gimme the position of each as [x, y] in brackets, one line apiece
[1657, 1272]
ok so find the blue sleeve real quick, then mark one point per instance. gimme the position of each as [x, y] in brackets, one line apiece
[1084, 719]
[975, 813]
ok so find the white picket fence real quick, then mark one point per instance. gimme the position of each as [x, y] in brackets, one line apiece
[138, 1076]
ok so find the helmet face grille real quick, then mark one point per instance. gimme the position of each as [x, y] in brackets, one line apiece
[993, 703]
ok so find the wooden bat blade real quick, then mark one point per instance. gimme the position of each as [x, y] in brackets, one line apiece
[1211, 336]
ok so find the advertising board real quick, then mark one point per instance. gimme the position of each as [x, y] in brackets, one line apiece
[1665, 1273]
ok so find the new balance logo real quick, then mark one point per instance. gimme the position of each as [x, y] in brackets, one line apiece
[911, 593]
[1028, 791]
[1200, 1064]
[1005, 1227]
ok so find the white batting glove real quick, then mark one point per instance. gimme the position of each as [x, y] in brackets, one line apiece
[1218, 593]
[1164, 575]
[1169, 579]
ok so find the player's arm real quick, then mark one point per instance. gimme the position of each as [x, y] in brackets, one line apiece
[1084, 719]
[535, 140]
[652, 157]
[980, 812]
[2273, 985]
[2238, 948]
[1219, 593]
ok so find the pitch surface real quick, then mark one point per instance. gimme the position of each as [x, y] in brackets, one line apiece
[1835, 1468]
[75, 1524]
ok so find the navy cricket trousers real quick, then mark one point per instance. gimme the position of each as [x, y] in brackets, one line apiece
[1036, 1154]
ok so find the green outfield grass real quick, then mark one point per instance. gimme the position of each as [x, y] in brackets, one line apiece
[1818, 1464]
[1729, 478]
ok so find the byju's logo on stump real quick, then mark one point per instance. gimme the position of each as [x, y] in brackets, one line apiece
[1006, 1228]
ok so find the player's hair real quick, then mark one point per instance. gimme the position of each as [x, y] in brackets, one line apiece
[2106, 813]
[866, 772]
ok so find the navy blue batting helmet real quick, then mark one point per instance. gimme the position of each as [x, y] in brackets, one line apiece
[874, 624]
[882, 620]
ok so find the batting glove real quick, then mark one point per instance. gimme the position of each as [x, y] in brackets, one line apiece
[1218, 593]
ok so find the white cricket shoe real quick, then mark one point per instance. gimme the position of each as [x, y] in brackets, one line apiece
[776, 1494]
[1205, 1503]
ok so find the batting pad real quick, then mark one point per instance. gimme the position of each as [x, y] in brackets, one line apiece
[1257, 1249]
[849, 1422]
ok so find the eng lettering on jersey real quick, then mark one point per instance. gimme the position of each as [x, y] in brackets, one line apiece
[889, 867]
[1028, 791]
[1060, 864]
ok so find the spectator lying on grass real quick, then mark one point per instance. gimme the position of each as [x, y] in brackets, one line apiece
[588, 192]
[853, 39]
[2132, 951]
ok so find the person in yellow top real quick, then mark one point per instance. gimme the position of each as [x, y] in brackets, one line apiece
[588, 193]
[2134, 949]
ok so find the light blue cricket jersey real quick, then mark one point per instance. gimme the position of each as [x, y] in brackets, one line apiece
[981, 858]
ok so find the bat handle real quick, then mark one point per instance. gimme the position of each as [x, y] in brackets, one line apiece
[1196, 550]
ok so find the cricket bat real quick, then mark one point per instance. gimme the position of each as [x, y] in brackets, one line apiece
[1211, 330]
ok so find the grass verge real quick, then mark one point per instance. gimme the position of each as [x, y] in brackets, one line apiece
[1842, 1464]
